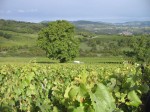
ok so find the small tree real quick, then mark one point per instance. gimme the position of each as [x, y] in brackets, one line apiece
[58, 41]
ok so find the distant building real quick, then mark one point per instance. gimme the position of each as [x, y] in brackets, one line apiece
[126, 33]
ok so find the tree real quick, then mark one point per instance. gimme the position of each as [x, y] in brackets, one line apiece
[140, 53]
[141, 49]
[58, 41]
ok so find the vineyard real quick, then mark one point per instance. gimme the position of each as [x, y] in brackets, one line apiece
[72, 88]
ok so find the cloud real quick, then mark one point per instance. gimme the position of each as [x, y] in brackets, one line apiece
[5, 11]
[33, 10]
[27, 11]
[21, 11]
[8, 11]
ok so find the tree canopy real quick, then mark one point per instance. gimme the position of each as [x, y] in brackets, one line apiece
[141, 49]
[58, 41]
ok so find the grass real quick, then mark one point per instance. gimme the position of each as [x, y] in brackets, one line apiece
[18, 39]
[100, 59]
[84, 46]
[109, 37]
[44, 60]
[14, 60]
[24, 60]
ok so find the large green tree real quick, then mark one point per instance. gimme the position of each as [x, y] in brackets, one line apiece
[140, 49]
[58, 41]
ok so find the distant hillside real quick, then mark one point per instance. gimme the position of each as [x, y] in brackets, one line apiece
[131, 23]
[135, 24]
[136, 28]
[19, 26]
[82, 22]
[129, 28]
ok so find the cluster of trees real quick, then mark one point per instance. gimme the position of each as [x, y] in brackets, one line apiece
[5, 35]
[140, 49]
[121, 46]
[21, 51]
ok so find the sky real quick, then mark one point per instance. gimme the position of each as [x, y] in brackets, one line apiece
[113, 11]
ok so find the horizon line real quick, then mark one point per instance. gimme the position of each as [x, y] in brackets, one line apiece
[90, 20]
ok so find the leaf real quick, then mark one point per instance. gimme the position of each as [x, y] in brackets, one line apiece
[117, 94]
[134, 99]
[55, 109]
[30, 77]
[32, 87]
[84, 77]
[17, 91]
[1, 77]
[73, 92]
[82, 90]
[123, 97]
[67, 92]
[78, 92]
[79, 109]
[102, 100]
[144, 88]
[113, 81]
[112, 84]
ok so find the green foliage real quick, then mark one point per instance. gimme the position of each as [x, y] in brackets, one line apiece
[141, 49]
[134, 99]
[19, 39]
[70, 88]
[5, 35]
[58, 41]
[20, 27]
[102, 100]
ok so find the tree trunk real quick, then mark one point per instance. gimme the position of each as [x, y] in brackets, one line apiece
[63, 60]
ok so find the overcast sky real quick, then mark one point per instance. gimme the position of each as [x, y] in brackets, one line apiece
[96, 10]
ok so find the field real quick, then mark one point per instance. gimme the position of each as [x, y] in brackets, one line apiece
[18, 39]
[102, 82]
[33, 87]
[44, 60]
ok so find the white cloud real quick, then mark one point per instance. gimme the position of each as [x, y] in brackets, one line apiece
[27, 11]
[8, 11]
[21, 11]
[5, 11]
[33, 10]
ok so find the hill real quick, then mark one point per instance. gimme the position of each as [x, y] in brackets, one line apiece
[135, 27]
[18, 38]
[96, 38]
[20, 26]
[135, 24]
[132, 28]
